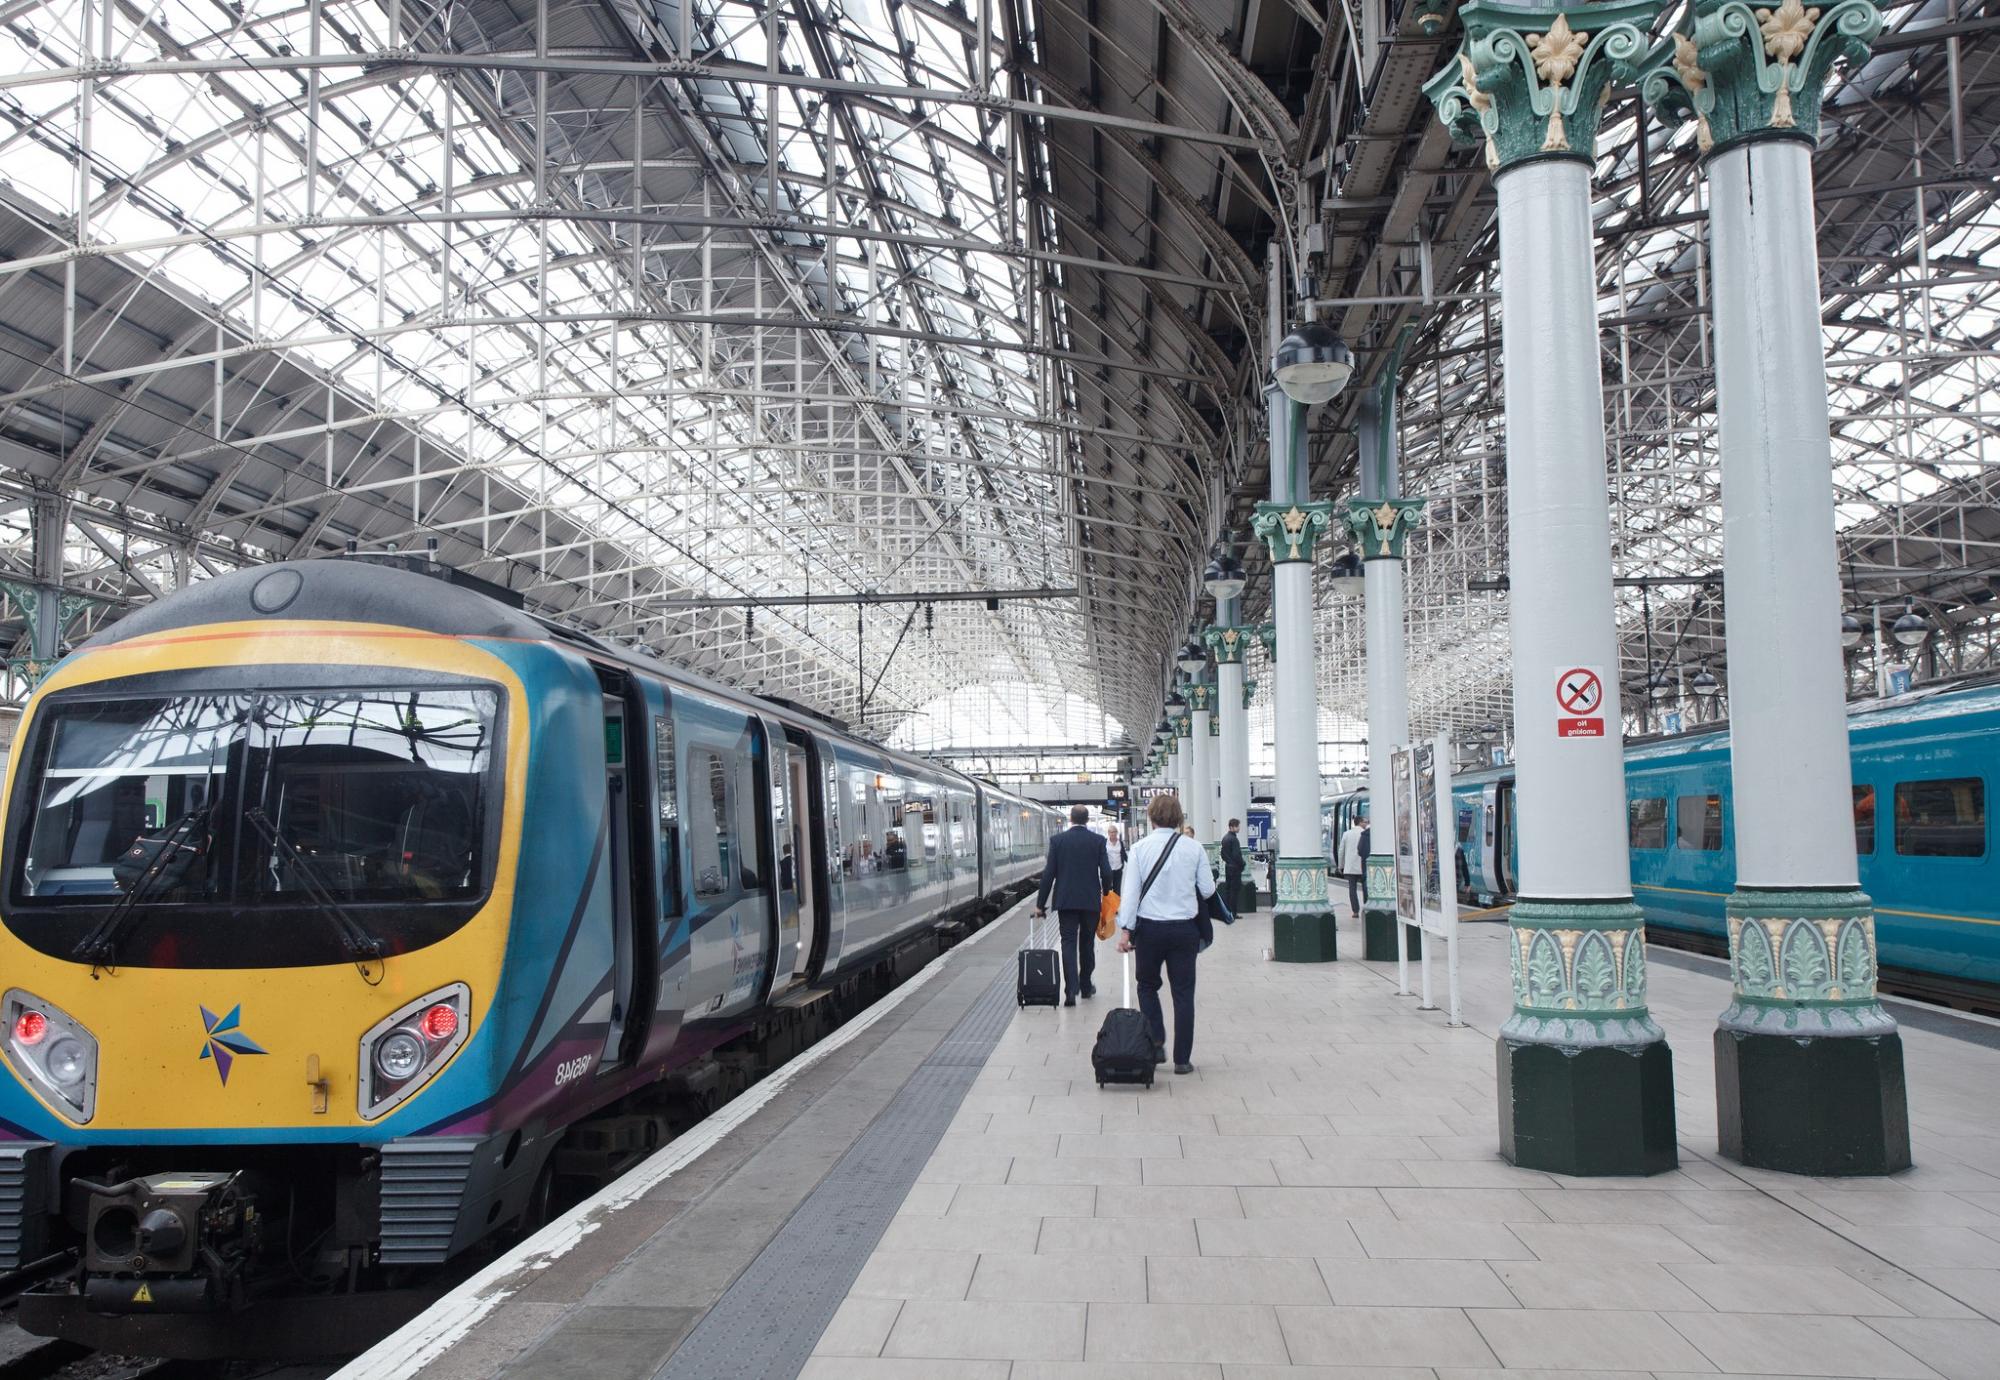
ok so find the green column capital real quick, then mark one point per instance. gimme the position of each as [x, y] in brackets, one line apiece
[1290, 530]
[1200, 696]
[1380, 525]
[1529, 81]
[1754, 73]
[1228, 644]
[1249, 692]
[1267, 634]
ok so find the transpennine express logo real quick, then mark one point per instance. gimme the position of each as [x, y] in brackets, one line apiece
[226, 1039]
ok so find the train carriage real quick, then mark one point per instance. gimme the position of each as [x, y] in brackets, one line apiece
[336, 896]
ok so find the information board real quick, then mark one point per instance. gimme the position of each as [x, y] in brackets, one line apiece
[1426, 876]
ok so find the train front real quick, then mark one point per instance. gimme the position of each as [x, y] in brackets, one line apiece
[258, 873]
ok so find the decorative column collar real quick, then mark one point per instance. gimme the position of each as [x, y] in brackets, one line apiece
[1754, 74]
[1201, 697]
[1290, 529]
[1529, 81]
[1228, 644]
[1249, 692]
[1380, 525]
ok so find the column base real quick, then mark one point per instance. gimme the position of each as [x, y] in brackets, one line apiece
[1590, 1111]
[1247, 897]
[1297, 938]
[1378, 937]
[1820, 1105]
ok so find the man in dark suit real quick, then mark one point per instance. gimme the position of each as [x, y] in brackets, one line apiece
[1079, 873]
[1232, 866]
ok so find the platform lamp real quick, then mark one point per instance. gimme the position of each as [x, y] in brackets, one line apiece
[1312, 363]
[1192, 658]
[1345, 577]
[1705, 686]
[1224, 578]
[1912, 630]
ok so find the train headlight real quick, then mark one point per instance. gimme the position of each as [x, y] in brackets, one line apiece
[406, 1048]
[50, 1050]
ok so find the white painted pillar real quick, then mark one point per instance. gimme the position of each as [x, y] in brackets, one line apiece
[1201, 763]
[1234, 767]
[1570, 790]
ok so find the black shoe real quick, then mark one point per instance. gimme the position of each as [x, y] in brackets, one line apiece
[1159, 1054]
[1089, 992]
[1070, 1000]
[1183, 1068]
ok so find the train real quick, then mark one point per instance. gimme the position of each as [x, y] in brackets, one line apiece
[352, 913]
[1921, 764]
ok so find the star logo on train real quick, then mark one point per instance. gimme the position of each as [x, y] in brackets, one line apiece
[226, 1039]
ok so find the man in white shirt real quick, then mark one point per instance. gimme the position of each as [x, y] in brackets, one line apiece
[1160, 926]
[1352, 865]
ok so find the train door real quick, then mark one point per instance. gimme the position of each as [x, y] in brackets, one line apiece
[630, 875]
[799, 909]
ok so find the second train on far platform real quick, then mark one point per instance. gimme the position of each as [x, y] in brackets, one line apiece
[1923, 765]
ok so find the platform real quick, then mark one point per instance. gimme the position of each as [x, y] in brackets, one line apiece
[1322, 1197]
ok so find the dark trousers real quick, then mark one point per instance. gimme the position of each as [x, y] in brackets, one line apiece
[1117, 879]
[1232, 888]
[1354, 896]
[1079, 949]
[1174, 944]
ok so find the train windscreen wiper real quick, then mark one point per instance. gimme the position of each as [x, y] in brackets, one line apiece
[362, 947]
[168, 864]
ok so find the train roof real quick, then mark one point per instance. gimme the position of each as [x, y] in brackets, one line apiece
[412, 591]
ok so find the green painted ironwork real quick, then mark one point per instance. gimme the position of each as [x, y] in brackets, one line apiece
[1227, 644]
[1579, 972]
[1742, 73]
[1381, 525]
[1529, 81]
[1803, 962]
[1291, 530]
[1302, 887]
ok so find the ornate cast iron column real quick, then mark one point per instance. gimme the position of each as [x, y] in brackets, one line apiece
[1201, 762]
[1289, 526]
[1586, 1078]
[1379, 519]
[1808, 1065]
[1227, 641]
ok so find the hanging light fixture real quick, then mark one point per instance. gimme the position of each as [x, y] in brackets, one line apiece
[1704, 683]
[1224, 577]
[1850, 630]
[1912, 630]
[1345, 576]
[1312, 363]
[1193, 657]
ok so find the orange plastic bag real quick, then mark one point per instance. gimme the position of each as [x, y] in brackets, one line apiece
[1107, 915]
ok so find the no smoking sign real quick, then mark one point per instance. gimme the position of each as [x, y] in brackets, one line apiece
[1580, 697]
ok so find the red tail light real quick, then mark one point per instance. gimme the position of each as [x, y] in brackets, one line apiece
[30, 1027]
[440, 1022]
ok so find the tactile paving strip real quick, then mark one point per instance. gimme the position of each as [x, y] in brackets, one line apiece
[766, 1323]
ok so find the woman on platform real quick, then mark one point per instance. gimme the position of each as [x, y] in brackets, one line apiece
[1161, 927]
[1114, 853]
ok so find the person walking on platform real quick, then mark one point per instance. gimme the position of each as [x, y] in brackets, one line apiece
[1114, 856]
[1079, 874]
[1352, 864]
[1232, 866]
[1162, 925]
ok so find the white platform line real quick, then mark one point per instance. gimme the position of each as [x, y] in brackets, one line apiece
[424, 1338]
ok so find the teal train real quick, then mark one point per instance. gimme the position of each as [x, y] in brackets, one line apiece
[1923, 766]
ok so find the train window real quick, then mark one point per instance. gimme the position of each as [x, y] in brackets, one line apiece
[708, 823]
[1941, 819]
[670, 814]
[1646, 822]
[1698, 823]
[746, 833]
[1864, 820]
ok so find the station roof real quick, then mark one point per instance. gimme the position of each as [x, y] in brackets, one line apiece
[902, 357]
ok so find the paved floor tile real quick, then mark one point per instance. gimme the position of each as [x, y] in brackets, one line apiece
[1185, 1332]
[1210, 1173]
[1383, 1336]
[1116, 1236]
[1233, 1279]
[1024, 1200]
[1027, 1170]
[890, 1368]
[1171, 1201]
[1415, 1284]
[1061, 1278]
[1462, 1205]
[915, 1275]
[1786, 1288]
[859, 1327]
[1789, 1344]
[1295, 1203]
[1276, 1237]
[1570, 1241]
[1956, 1348]
[1585, 1339]
[1440, 1241]
[1639, 1285]
[981, 1328]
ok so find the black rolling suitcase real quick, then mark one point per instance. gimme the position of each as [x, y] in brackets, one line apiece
[1124, 1049]
[1039, 982]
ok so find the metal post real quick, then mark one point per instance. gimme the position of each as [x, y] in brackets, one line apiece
[1585, 1076]
[1809, 1066]
[1290, 524]
[1229, 641]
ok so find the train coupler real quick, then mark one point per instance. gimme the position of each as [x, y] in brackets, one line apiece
[171, 1243]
